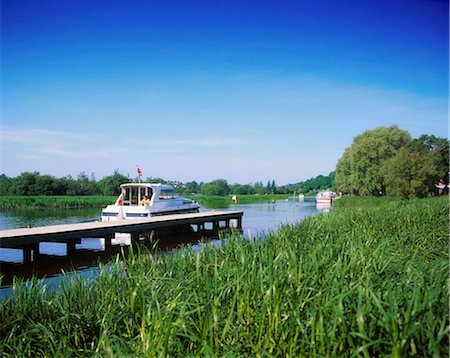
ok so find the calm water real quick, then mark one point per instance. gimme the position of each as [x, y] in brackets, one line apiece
[258, 218]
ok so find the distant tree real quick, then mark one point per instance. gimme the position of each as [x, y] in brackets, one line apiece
[61, 186]
[110, 185]
[191, 187]
[273, 187]
[155, 180]
[216, 187]
[239, 189]
[45, 185]
[359, 169]
[5, 185]
[259, 188]
[86, 185]
[311, 185]
[25, 184]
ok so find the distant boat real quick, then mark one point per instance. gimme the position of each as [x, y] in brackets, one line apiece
[141, 200]
[325, 197]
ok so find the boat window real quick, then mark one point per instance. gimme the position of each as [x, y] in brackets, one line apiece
[168, 194]
[126, 196]
[145, 191]
[133, 195]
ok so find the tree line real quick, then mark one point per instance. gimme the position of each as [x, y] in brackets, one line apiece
[34, 183]
[388, 161]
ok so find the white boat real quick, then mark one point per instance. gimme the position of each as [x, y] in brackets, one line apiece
[141, 200]
[325, 197]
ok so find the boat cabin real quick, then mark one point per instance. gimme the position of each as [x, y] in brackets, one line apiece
[133, 193]
[164, 200]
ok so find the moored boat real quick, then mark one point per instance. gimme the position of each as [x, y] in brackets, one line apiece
[141, 200]
[325, 197]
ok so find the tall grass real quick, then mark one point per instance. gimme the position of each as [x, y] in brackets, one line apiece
[17, 202]
[360, 281]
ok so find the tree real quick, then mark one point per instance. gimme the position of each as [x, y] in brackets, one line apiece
[273, 187]
[192, 187]
[239, 189]
[417, 167]
[86, 185]
[45, 185]
[259, 188]
[216, 187]
[110, 185]
[359, 169]
[5, 185]
[25, 184]
[412, 172]
[440, 149]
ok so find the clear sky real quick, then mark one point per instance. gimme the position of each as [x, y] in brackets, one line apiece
[199, 90]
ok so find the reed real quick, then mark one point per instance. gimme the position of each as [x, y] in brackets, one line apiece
[18, 202]
[360, 281]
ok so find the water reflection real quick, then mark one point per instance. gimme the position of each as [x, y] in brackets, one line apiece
[13, 219]
[323, 207]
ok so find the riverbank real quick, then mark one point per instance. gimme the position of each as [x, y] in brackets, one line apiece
[47, 201]
[364, 279]
[66, 201]
[222, 201]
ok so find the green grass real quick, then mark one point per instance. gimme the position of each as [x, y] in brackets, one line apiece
[364, 280]
[17, 202]
[66, 201]
[223, 201]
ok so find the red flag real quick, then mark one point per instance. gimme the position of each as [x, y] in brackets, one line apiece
[139, 171]
[119, 200]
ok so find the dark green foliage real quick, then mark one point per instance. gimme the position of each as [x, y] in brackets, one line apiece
[216, 187]
[312, 185]
[192, 187]
[440, 149]
[386, 160]
[239, 189]
[368, 279]
[359, 169]
[110, 185]
[35, 184]
[412, 172]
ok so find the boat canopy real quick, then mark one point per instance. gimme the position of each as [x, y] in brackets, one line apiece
[133, 193]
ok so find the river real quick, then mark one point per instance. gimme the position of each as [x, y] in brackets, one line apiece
[259, 218]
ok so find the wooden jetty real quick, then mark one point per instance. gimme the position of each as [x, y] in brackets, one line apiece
[28, 239]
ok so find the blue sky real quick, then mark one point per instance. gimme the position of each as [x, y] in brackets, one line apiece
[199, 90]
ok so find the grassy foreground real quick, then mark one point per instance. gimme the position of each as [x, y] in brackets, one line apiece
[364, 280]
[65, 201]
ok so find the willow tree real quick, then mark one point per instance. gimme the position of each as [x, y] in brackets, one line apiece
[417, 167]
[359, 171]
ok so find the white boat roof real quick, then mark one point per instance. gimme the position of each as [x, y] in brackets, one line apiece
[146, 185]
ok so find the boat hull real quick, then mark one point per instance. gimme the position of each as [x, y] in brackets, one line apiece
[114, 212]
[323, 201]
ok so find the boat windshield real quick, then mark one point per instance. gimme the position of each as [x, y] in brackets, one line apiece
[133, 195]
[168, 194]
